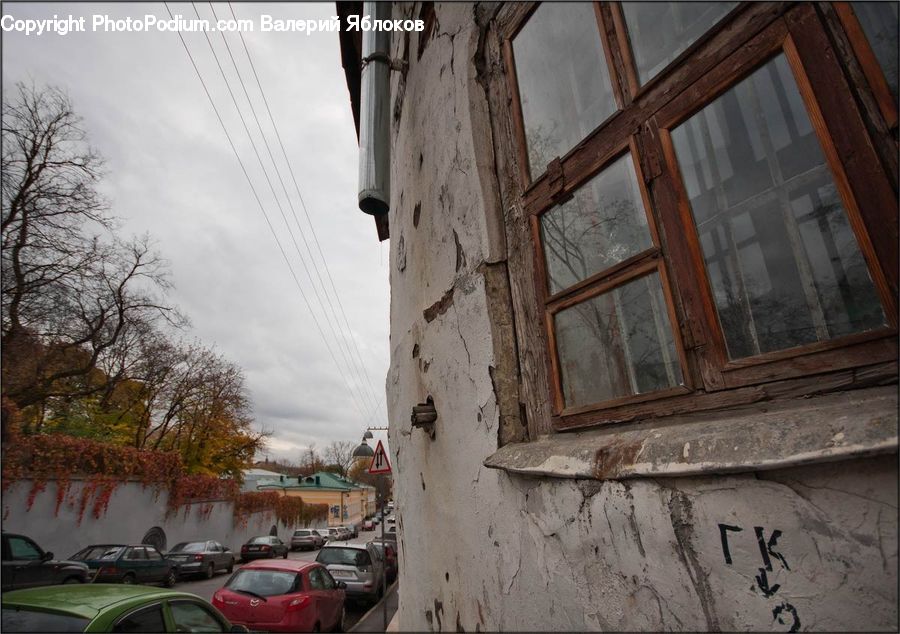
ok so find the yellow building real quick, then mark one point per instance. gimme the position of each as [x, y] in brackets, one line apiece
[348, 502]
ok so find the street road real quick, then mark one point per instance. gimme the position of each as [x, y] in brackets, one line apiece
[207, 587]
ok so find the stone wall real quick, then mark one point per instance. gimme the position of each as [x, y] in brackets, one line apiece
[811, 547]
[133, 510]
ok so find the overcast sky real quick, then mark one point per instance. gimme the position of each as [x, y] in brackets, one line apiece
[172, 174]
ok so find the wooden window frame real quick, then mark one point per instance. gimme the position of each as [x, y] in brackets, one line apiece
[868, 62]
[745, 39]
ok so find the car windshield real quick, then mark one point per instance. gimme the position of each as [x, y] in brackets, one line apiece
[343, 556]
[260, 540]
[98, 552]
[267, 583]
[26, 620]
[189, 547]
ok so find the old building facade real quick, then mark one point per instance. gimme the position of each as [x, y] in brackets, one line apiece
[644, 265]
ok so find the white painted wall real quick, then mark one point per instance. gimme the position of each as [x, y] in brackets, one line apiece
[133, 510]
[481, 550]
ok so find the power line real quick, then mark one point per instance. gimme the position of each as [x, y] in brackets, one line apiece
[306, 212]
[369, 404]
[344, 337]
[259, 203]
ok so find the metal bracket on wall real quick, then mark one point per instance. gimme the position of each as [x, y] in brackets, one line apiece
[393, 63]
[424, 416]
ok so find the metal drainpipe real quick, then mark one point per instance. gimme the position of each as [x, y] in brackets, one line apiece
[375, 122]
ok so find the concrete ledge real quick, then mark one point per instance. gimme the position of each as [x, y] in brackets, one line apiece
[769, 436]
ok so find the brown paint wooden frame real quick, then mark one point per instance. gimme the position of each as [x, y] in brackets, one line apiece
[818, 372]
[865, 55]
[834, 353]
[606, 280]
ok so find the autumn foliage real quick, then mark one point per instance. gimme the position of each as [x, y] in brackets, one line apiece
[102, 467]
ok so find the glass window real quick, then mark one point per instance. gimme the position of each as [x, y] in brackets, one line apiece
[21, 548]
[564, 84]
[154, 554]
[879, 21]
[660, 31]
[617, 344]
[98, 552]
[783, 262]
[315, 579]
[267, 583]
[135, 553]
[329, 581]
[146, 620]
[191, 617]
[603, 224]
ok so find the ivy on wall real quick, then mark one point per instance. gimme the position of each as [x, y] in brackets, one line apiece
[102, 467]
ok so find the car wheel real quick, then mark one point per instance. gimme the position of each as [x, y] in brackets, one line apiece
[284, 556]
[128, 579]
[73, 580]
[271, 554]
[316, 628]
[210, 570]
[171, 578]
[231, 566]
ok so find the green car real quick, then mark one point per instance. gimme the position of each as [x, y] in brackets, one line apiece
[104, 607]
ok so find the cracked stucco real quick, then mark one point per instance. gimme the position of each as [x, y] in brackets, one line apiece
[484, 550]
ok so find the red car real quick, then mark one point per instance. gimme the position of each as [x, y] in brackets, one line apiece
[283, 596]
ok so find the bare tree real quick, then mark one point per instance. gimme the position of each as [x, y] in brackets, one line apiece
[72, 293]
[340, 453]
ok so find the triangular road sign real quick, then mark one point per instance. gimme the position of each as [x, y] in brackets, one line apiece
[380, 462]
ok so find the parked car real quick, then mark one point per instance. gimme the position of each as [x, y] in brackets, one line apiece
[368, 525]
[201, 558]
[263, 546]
[390, 533]
[283, 596]
[333, 535]
[320, 536]
[306, 539]
[26, 565]
[357, 565]
[347, 531]
[121, 563]
[391, 519]
[109, 608]
[388, 549]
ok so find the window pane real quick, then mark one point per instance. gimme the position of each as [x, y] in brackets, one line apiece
[617, 344]
[190, 617]
[149, 620]
[660, 31]
[564, 82]
[782, 260]
[880, 23]
[602, 225]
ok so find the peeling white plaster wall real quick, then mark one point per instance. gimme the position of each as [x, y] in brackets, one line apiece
[480, 550]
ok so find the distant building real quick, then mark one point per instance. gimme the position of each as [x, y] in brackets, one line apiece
[253, 476]
[348, 502]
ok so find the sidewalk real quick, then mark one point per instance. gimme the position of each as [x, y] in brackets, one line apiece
[373, 620]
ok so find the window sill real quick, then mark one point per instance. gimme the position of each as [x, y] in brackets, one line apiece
[769, 436]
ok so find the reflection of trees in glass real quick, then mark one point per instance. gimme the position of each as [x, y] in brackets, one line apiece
[564, 85]
[782, 259]
[617, 344]
[602, 225]
[660, 31]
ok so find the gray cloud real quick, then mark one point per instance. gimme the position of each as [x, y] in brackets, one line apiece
[171, 173]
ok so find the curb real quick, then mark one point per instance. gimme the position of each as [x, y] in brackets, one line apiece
[377, 606]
